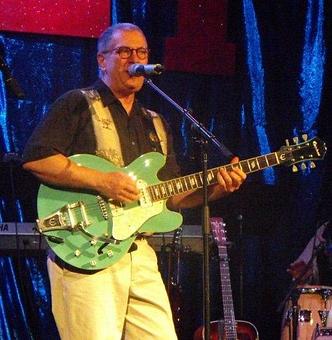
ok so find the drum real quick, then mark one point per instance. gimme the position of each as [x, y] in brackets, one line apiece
[323, 333]
[313, 306]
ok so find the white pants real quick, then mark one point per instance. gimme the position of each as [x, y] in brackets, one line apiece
[128, 300]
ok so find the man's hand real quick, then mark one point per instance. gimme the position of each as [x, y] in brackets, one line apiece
[228, 181]
[118, 186]
[231, 181]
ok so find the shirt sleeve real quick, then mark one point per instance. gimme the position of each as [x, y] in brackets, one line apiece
[315, 241]
[55, 134]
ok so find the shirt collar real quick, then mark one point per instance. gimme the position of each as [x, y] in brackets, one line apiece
[108, 97]
[105, 92]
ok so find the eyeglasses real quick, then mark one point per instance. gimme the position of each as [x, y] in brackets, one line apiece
[126, 52]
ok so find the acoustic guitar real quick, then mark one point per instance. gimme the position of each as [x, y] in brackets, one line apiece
[228, 328]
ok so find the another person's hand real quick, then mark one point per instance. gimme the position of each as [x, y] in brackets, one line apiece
[298, 268]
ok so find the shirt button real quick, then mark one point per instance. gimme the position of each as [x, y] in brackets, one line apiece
[133, 143]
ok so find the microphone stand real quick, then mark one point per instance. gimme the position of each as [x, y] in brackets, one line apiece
[208, 137]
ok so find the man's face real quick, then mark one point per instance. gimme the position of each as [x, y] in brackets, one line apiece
[116, 74]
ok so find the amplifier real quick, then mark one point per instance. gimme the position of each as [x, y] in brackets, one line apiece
[22, 235]
[26, 236]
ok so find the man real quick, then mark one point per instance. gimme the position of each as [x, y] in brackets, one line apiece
[128, 299]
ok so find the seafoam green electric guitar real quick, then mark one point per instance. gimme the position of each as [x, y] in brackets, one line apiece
[90, 232]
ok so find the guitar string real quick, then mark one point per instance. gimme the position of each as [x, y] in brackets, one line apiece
[95, 207]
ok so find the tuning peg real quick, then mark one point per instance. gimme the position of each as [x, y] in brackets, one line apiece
[312, 165]
[305, 137]
[294, 168]
[287, 142]
[303, 166]
[296, 140]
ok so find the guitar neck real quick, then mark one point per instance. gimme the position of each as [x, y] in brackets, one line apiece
[226, 288]
[164, 190]
[219, 233]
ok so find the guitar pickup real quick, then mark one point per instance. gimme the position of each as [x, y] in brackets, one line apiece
[116, 208]
[70, 217]
[145, 198]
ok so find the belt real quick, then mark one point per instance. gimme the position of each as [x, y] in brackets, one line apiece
[143, 236]
[64, 265]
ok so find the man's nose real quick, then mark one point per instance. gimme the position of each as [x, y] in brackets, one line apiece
[134, 56]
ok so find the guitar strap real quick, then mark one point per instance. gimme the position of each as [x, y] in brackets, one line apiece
[159, 128]
[107, 138]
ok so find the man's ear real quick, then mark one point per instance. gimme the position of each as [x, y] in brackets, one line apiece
[101, 61]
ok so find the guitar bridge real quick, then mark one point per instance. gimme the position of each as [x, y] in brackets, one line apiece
[70, 217]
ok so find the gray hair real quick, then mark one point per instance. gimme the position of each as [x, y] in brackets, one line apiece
[107, 35]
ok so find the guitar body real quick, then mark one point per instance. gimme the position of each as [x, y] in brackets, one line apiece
[76, 246]
[244, 330]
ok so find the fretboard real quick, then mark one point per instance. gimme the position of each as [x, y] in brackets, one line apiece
[164, 190]
[227, 297]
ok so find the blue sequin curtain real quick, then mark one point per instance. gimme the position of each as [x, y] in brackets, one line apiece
[281, 89]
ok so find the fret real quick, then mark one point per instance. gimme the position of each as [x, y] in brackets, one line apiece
[170, 188]
[277, 158]
[166, 188]
[262, 162]
[188, 179]
[156, 191]
[209, 177]
[151, 192]
[187, 182]
[272, 159]
[162, 189]
[178, 185]
[175, 188]
[184, 184]
[193, 181]
[200, 176]
[253, 165]
[228, 298]
[245, 166]
[267, 160]
[173, 182]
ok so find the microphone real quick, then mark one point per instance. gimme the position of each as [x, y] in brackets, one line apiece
[138, 70]
[12, 83]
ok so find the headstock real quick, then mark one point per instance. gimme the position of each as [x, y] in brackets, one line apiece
[307, 151]
[218, 230]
